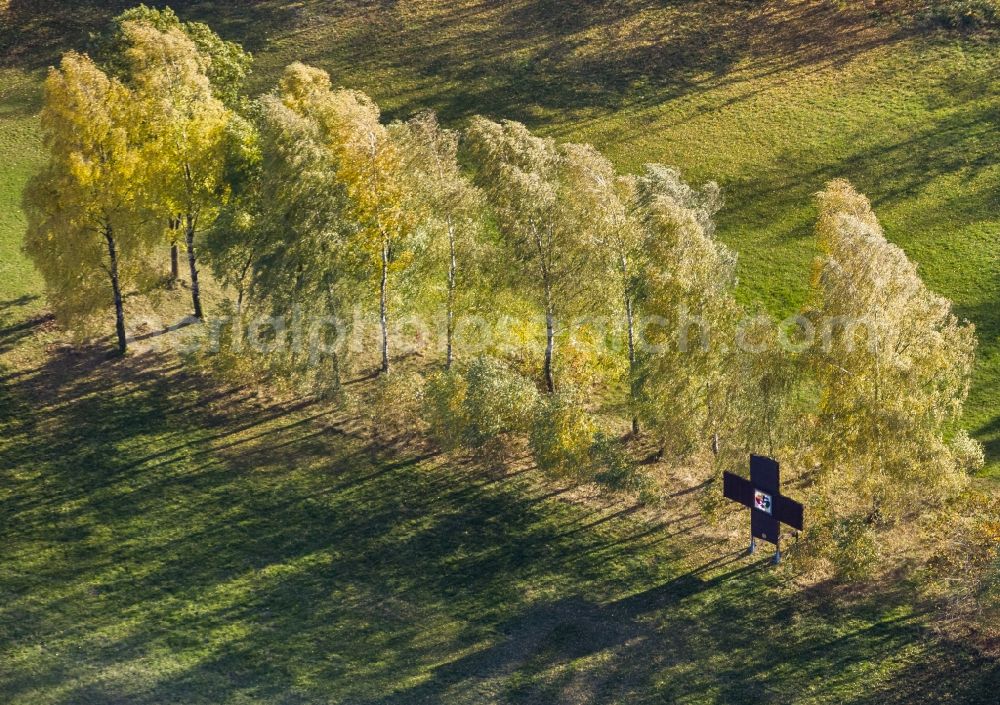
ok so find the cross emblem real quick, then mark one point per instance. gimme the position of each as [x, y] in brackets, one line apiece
[769, 509]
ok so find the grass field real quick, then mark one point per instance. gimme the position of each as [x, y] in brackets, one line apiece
[165, 539]
[20, 145]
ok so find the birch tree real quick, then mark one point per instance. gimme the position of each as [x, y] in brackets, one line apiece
[687, 298]
[86, 233]
[293, 230]
[227, 64]
[188, 156]
[606, 204]
[528, 182]
[377, 183]
[893, 365]
[233, 245]
[452, 210]
[364, 165]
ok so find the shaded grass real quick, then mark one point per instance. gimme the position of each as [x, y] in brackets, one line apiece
[166, 540]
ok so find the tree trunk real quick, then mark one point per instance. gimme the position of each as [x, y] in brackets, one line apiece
[451, 294]
[386, 243]
[174, 267]
[550, 383]
[630, 322]
[630, 327]
[384, 307]
[195, 293]
[116, 288]
[243, 285]
[336, 372]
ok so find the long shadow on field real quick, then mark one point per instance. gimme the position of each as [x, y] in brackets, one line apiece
[691, 639]
[960, 143]
[166, 540]
[13, 328]
[508, 59]
[519, 58]
[36, 32]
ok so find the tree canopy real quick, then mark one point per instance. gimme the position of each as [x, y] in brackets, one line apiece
[86, 209]
[611, 305]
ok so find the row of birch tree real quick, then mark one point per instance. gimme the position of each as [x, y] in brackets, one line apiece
[305, 197]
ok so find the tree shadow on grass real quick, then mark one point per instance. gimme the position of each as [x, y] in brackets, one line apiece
[503, 59]
[691, 639]
[166, 540]
[14, 328]
[36, 32]
[517, 60]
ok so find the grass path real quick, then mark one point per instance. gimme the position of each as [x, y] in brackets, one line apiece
[165, 540]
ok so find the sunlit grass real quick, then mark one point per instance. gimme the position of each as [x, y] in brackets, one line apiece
[20, 147]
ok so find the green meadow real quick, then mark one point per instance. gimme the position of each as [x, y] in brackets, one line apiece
[178, 541]
[166, 538]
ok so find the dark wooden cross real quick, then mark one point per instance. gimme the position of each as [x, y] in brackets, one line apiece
[769, 509]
